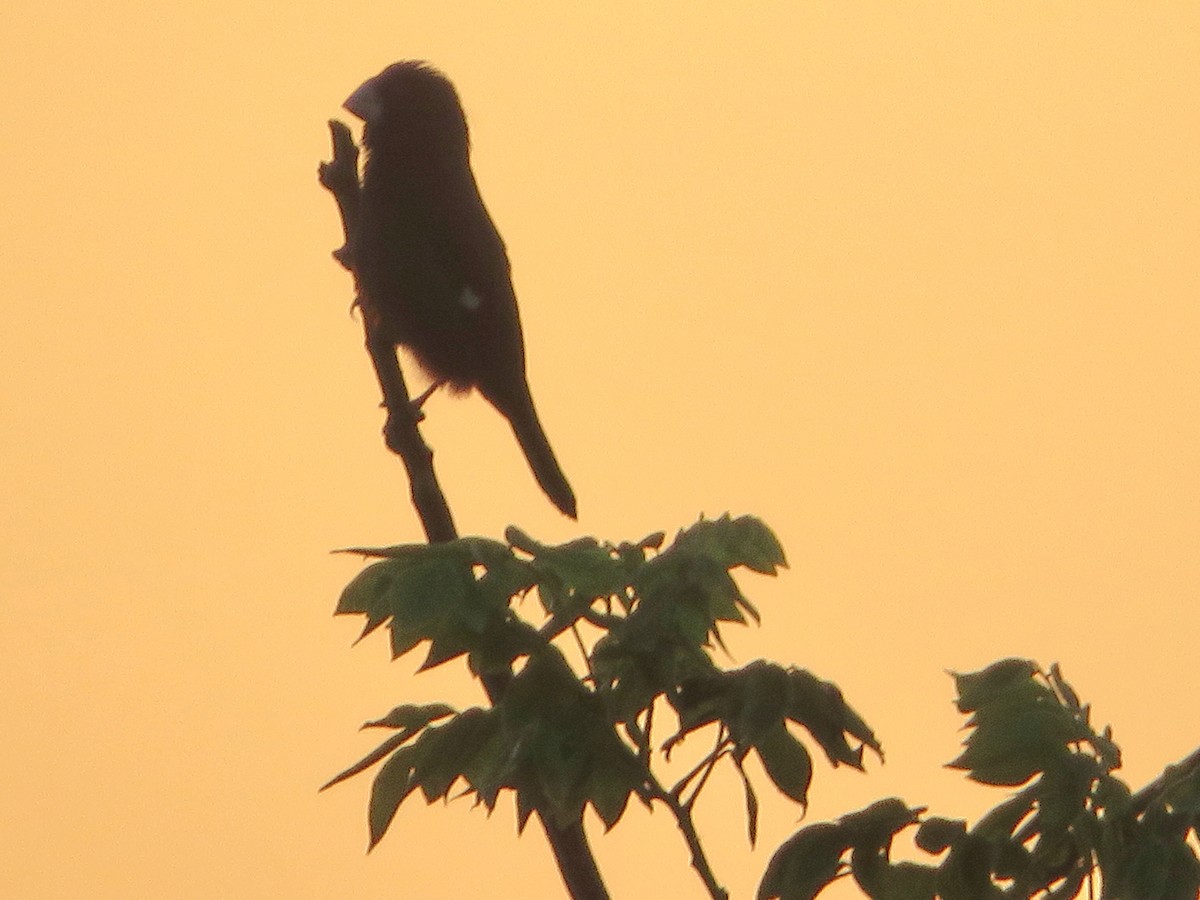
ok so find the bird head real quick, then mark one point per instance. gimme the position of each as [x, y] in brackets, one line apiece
[410, 104]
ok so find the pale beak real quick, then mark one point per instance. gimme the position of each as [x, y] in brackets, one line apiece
[365, 102]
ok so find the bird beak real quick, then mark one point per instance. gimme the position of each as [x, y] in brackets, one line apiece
[365, 102]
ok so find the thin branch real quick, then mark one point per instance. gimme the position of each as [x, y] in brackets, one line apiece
[401, 434]
[708, 770]
[687, 827]
[340, 177]
[708, 763]
[569, 843]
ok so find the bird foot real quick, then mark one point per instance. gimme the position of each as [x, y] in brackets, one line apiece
[396, 423]
[425, 395]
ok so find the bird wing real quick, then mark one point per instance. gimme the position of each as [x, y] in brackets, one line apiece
[471, 261]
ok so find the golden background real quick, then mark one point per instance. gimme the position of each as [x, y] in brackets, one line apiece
[916, 283]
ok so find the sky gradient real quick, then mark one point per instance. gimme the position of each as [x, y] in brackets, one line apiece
[915, 283]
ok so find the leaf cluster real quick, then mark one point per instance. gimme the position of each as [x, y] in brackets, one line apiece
[646, 618]
[1071, 823]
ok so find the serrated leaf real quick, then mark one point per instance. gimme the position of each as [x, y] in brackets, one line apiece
[442, 650]
[403, 637]
[506, 577]
[525, 807]
[572, 576]
[820, 708]
[365, 592]
[1011, 746]
[489, 765]
[444, 751]
[744, 541]
[608, 791]
[692, 624]
[1010, 768]
[977, 688]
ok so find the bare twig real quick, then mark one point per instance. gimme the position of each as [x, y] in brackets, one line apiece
[687, 827]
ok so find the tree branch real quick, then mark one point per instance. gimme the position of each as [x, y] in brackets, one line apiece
[569, 843]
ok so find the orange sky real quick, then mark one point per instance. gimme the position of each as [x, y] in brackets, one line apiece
[915, 285]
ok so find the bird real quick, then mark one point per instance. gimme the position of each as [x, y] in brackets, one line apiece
[431, 269]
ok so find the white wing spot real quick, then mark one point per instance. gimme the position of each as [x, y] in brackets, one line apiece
[469, 298]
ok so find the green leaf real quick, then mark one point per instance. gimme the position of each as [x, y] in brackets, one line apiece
[391, 786]
[1002, 820]
[875, 825]
[564, 736]
[504, 575]
[1062, 795]
[443, 648]
[366, 595]
[1000, 765]
[786, 761]
[745, 541]
[700, 701]
[448, 594]
[1012, 860]
[757, 546]
[1113, 796]
[527, 801]
[572, 575]
[761, 700]
[965, 873]
[412, 717]
[370, 759]
[397, 551]
[616, 772]
[489, 767]
[906, 881]
[1017, 744]
[819, 707]
[936, 834]
[1148, 873]
[1071, 885]
[608, 791]
[444, 751]
[805, 864]
[977, 688]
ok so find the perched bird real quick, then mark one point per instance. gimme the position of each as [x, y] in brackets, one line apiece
[432, 270]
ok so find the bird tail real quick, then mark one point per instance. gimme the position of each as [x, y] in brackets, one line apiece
[536, 447]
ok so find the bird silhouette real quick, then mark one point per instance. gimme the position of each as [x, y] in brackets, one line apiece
[432, 271]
